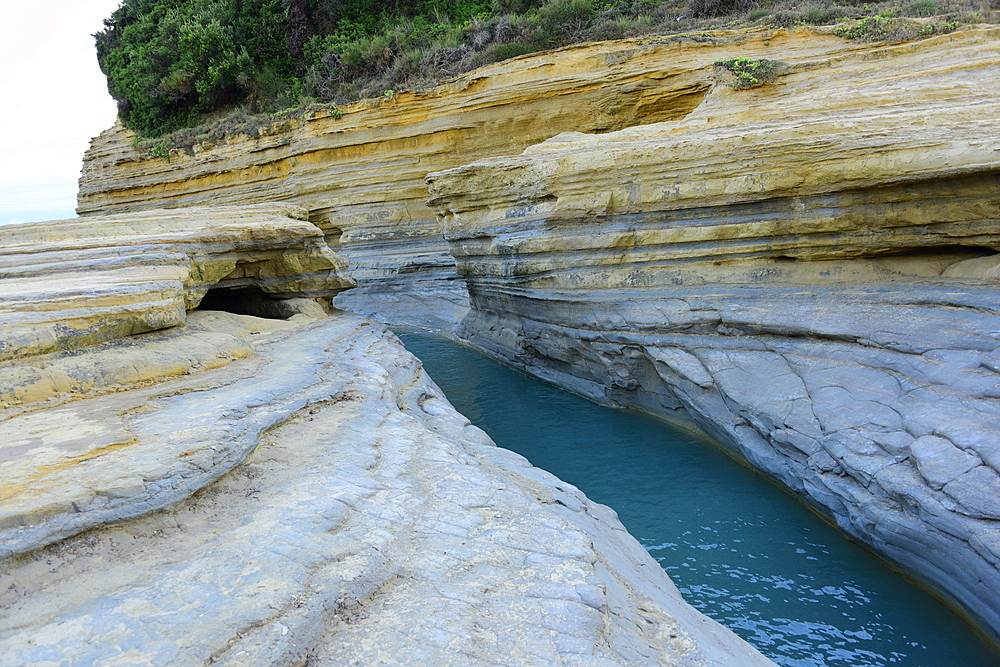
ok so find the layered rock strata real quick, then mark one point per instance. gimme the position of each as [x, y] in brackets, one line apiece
[360, 175]
[238, 490]
[806, 271]
[71, 283]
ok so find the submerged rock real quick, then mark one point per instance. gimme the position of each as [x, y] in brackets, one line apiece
[238, 490]
[803, 270]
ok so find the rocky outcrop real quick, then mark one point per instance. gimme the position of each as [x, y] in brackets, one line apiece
[361, 175]
[215, 487]
[72, 283]
[804, 270]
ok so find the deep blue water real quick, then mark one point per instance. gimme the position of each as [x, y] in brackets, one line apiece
[741, 550]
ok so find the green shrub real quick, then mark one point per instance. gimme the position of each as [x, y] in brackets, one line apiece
[174, 64]
[719, 7]
[507, 50]
[171, 63]
[879, 29]
[823, 15]
[787, 19]
[746, 73]
[929, 29]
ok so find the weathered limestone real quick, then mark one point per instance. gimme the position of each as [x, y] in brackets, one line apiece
[71, 283]
[248, 491]
[806, 271]
[361, 175]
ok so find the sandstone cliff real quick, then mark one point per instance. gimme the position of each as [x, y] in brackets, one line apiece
[200, 487]
[805, 270]
[361, 175]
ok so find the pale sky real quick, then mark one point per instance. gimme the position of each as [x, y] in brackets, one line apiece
[54, 100]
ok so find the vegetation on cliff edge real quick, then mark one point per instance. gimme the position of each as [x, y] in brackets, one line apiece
[173, 64]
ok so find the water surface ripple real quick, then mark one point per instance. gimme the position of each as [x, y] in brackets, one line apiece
[741, 550]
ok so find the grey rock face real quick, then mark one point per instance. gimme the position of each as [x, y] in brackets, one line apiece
[804, 273]
[432, 300]
[894, 435]
[356, 518]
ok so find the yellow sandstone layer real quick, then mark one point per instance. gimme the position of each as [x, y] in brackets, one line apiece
[361, 175]
[71, 283]
[889, 151]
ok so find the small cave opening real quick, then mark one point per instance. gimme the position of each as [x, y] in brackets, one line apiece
[244, 301]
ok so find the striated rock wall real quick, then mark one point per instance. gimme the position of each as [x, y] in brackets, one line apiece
[361, 175]
[806, 271]
[71, 283]
[215, 487]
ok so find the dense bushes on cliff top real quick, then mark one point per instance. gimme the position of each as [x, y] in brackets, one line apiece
[171, 64]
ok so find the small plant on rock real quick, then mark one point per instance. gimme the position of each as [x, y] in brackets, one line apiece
[745, 73]
[879, 29]
[159, 149]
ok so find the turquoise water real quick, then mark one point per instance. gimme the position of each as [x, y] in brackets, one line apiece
[740, 549]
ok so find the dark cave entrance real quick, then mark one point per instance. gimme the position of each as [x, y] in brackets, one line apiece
[244, 301]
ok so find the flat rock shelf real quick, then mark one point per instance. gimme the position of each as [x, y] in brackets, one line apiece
[741, 550]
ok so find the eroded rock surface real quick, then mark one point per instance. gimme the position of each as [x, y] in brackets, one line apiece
[247, 491]
[806, 271]
[362, 519]
[361, 175]
[70, 283]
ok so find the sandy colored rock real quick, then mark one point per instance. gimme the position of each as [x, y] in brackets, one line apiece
[71, 283]
[802, 270]
[361, 175]
[978, 268]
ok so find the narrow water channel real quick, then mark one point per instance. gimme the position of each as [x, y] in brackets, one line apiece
[741, 550]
